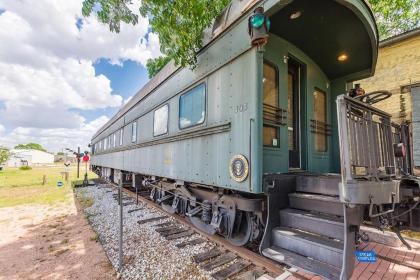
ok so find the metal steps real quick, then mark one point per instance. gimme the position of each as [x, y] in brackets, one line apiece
[296, 260]
[326, 225]
[308, 244]
[311, 230]
[321, 184]
[317, 203]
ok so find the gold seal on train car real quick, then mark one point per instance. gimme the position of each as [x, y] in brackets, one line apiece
[239, 168]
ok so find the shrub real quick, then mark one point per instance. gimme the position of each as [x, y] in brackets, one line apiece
[25, 167]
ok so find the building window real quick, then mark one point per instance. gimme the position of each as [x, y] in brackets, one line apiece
[121, 137]
[106, 143]
[160, 120]
[134, 132]
[271, 131]
[320, 116]
[115, 139]
[100, 145]
[192, 107]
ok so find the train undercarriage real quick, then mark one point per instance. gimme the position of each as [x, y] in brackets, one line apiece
[299, 221]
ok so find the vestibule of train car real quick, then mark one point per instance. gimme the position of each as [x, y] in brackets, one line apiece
[314, 49]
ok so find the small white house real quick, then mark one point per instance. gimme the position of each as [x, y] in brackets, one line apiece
[20, 157]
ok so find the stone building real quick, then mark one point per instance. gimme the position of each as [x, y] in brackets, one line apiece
[398, 71]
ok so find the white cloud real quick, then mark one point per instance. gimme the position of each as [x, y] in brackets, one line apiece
[46, 65]
[54, 139]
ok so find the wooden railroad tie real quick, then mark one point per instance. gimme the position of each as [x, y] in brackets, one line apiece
[140, 222]
[163, 229]
[192, 242]
[199, 258]
[230, 270]
[179, 235]
[219, 261]
[174, 231]
[134, 210]
[165, 224]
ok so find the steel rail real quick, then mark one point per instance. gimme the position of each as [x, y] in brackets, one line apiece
[246, 254]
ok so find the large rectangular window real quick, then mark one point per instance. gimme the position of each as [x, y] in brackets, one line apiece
[115, 139]
[134, 132]
[121, 136]
[192, 107]
[271, 131]
[320, 116]
[160, 120]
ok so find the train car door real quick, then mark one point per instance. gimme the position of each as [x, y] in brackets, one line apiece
[293, 113]
[282, 106]
[275, 154]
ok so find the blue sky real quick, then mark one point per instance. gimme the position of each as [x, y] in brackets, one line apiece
[63, 76]
[126, 80]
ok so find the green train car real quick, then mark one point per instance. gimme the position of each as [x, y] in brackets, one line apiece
[259, 142]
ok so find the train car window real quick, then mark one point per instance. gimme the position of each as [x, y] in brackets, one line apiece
[271, 132]
[160, 120]
[192, 107]
[320, 115]
[134, 132]
[121, 137]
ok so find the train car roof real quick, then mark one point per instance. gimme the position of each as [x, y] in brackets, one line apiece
[229, 16]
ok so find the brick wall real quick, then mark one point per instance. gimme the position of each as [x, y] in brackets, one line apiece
[398, 65]
[397, 68]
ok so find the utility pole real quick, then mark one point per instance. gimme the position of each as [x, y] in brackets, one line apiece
[78, 162]
[120, 268]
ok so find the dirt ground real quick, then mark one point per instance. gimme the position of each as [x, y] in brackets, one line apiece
[50, 242]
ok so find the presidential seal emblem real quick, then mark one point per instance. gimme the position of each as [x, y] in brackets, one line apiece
[239, 168]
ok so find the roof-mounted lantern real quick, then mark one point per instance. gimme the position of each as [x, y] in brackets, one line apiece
[258, 27]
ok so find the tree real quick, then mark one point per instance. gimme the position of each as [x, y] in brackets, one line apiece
[31, 146]
[180, 24]
[155, 65]
[4, 154]
[395, 16]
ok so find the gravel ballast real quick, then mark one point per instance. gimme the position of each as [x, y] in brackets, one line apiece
[147, 255]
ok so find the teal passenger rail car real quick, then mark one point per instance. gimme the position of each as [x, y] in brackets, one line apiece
[260, 142]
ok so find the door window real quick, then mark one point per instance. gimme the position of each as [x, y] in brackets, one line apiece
[320, 116]
[271, 108]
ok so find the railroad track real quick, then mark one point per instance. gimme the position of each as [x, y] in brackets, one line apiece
[234, 262]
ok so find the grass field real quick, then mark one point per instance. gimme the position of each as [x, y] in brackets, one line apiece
[25, 186]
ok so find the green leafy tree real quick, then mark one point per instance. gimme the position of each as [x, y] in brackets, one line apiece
[395, 16]
[155, 65]
[180, 24]
[4, 154]
[111, 12]
[31, 146]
